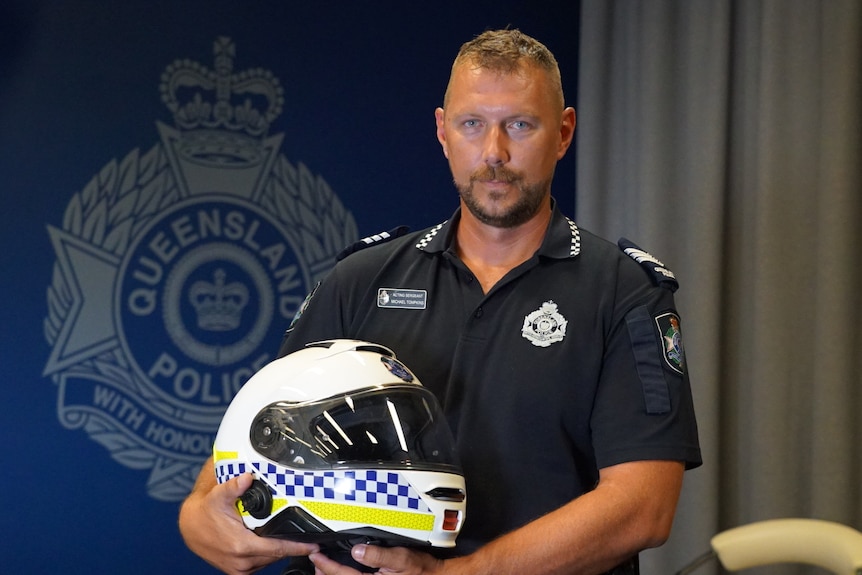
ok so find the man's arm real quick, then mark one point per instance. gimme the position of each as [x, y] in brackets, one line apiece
[212, 528]
[631, 509]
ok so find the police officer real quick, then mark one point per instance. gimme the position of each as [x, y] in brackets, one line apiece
[556, 355]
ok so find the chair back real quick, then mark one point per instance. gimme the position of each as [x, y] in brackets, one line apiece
[826, 544]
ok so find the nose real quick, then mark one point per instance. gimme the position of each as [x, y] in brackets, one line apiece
[496, 149]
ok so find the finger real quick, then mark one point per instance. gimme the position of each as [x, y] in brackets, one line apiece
[238, 485]
[323, 565]
[367, 555]
[392, 558]
[395, 559]
[281, 548]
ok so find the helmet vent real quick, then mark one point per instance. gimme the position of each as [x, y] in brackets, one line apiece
[376, 349]
[447, 494]
[358, 346]
[323, 344]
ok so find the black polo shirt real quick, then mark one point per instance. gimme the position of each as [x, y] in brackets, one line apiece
[571, 363]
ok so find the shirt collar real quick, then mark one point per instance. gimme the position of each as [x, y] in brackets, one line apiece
[562, 240]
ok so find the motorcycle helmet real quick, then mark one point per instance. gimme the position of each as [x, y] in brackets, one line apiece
[346, 446]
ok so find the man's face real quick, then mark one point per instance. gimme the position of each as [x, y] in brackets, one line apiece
[503, 135]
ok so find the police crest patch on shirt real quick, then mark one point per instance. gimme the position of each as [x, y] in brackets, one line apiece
[671, 338]
[544, 326]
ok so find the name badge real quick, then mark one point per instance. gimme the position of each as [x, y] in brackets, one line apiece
[402, 298]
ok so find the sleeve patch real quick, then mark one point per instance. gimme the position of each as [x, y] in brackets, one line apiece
[304, 305]
[645, 346]
[657, 271]
[671, 339]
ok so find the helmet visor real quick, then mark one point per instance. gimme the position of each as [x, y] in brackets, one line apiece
[388, 426]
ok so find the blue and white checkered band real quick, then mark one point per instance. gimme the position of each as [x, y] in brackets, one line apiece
[384, 488]
[227, 471]
[576, 238]
[426, 239]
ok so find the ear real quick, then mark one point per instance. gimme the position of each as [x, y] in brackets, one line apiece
[439, 117]
[567, 131]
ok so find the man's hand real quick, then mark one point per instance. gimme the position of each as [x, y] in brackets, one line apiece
[212, 528]
[386, 560]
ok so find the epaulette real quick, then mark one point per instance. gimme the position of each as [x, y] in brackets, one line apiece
[660, 275]
[374, 240]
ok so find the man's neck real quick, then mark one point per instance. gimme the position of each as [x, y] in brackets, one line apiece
[491, 252]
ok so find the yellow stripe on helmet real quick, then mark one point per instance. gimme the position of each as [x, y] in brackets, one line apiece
[222, 455]
[370, 515]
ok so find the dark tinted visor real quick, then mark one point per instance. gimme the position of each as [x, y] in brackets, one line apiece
[387, 426]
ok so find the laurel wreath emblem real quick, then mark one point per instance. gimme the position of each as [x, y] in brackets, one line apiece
[109, 213]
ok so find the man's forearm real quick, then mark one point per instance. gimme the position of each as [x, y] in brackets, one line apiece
[630, 510]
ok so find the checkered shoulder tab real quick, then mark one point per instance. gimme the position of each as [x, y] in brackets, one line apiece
[657, 271]
[576, 238]
[426, 239]
[380, 238]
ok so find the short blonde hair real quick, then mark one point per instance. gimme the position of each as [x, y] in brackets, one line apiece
[506, 51]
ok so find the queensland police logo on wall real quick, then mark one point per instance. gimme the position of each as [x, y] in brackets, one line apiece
[179, 269]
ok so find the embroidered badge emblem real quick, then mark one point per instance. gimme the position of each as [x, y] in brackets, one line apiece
[674, 354]
[545, 325]
[397, 368]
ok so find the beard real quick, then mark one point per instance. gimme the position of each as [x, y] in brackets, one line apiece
[530, 198]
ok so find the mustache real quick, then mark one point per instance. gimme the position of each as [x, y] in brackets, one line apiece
[498, 173]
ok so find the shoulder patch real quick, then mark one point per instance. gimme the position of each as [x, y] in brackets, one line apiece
[374, 240]
[660, 275]
[304, 305]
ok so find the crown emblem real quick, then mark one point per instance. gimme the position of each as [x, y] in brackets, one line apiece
[223, 115]
[545, 325]
[218, 305]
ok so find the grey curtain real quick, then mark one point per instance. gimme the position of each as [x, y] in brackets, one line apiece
[725, 137]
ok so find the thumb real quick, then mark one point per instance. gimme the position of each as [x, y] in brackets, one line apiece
[366, 554]
[242, 482]
[229, 491]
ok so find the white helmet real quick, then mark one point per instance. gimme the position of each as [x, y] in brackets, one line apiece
[345, 446]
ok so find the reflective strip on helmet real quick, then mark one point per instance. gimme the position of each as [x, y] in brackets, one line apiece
[278, 504]
[223, 455]
[370, 515]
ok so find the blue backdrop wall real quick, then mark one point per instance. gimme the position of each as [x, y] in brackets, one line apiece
[175, 176]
